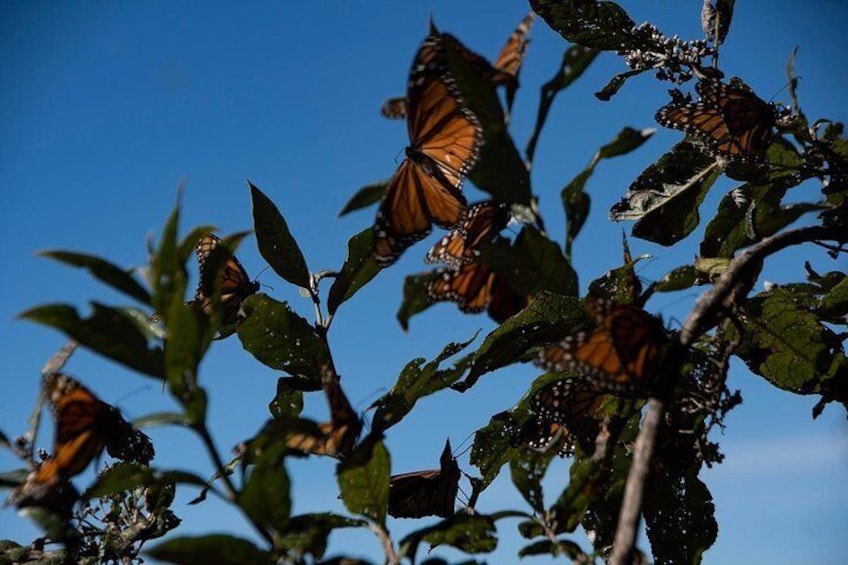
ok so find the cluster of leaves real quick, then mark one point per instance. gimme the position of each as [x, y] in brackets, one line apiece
[786, 335]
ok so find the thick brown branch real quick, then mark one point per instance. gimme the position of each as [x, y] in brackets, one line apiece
[706, 308]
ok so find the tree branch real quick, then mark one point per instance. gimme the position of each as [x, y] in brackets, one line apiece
[706, 308]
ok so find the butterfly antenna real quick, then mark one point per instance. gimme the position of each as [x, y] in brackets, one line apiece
[458, 453]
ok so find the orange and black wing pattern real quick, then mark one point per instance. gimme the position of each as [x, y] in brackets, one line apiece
[445, 139]
[335, 438]
[564, 414]
[512, 55]
[426, 493]
[729, 119]
[475, 288]
[480, 224]
[235, 283]
[394, 108]
[619, 354]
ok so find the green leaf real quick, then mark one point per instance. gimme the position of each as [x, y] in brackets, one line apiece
[364, 480]
[265, 496]
[359, 268]
[666, 196]
[288, 403]
[161, 419]
[679, 515]
[561, 547]
[415, 296]
[600, 25]
[470, 533]
[281, 339]
[575, 61]
[534, 264]
[527, 473]
[748, 214]
[109, 332]
[500, 171]
[126, 476]
[276, 243]
[416, 382]
[104, 271]
[677, 279]
[216, 548]
[547, 319]
[787, 345]
[308, 533]
[364, 197]
[189, 336]
[615, 83]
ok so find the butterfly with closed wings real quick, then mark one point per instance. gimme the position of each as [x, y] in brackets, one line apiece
[235, 284]
[426, 493]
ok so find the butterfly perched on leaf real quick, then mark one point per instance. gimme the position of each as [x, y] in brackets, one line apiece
[445, 139]
[426, 493]
[504, 70]
[234, 282]
[619, 353]
[480, 224]
[335, 438]
[84, 425]
[470, 283]
[565, 414]
[729, 119]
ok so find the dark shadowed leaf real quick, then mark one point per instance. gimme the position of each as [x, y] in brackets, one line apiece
[219, 549]
[307, 534]
[415, 382]
[471, 533]
[560, 547]
[533, 264]
[364, 197]
[677, 279]
[614, 85]
[109, 332]
[281, 339]
[666, 196]
[575, 60]
[364, 480]
[600, 25]
[527, 473]
[679, 515]
[414, 297]
[126, 476]
[161, 419]
[548, 318]
[276, 243]
[265, 496]
[102, 270]
[289, 400]
[359, 268]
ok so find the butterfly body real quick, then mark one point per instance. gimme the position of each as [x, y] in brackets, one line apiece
[445, 139]
[619, 353]
[235, 284]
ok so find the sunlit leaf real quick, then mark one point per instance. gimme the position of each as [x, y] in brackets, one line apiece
[364, 480]
[265, 496]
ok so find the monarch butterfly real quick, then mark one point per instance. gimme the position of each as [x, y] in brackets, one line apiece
[336, 437]
[445, 139]
[730, 119]
[619, 355]
[504, 71]
[564, 410]
[512, 55]
[235, 284]
[84, 425]
[426, 493]
[480, 224]
[473, 288]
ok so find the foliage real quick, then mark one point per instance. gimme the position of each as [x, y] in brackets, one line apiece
[790, 336]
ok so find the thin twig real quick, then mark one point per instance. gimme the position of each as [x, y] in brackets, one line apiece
[386, 541]
[706, 307]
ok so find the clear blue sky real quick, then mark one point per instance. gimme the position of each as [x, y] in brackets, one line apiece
[105, 107]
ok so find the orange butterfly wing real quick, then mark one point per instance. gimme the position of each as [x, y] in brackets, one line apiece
[235, 283]
[480, 224]
[336, 437]
[512, 55]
